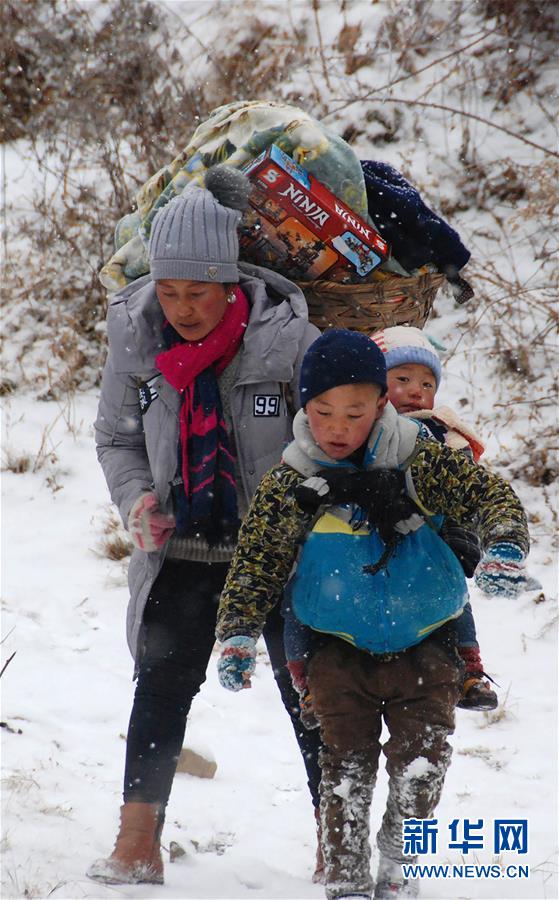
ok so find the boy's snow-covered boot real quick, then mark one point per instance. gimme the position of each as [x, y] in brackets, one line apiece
[353, 897]
[477, 693]
[390, 882]
[318, 875]
[136, 858]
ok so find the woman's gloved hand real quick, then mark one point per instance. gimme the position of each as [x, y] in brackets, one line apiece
[502, 573]
[237, 662]
[149, 528]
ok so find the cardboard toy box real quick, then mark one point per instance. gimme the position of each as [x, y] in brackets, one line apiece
[296, 226]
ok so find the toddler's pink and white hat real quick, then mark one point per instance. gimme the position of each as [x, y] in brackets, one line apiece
[404, 344]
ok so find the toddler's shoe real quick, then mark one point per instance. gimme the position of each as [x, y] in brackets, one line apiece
[307, 717]
[477, 694]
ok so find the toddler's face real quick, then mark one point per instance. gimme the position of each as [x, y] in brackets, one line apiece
[411, 387]
[341, 419]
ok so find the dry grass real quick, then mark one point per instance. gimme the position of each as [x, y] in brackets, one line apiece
[115, 543]
[16, 462]
[501, 714]
[116, 547]
[487, 754]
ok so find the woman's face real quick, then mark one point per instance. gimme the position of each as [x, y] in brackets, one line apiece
[193, 308]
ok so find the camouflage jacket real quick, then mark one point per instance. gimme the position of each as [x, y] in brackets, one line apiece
[446, 483]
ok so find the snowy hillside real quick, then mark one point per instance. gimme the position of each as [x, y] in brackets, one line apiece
[387, 76]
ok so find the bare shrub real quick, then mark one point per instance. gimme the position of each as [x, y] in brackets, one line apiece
[100, 102]
[263, 56]
[540, 459]
[106, 100]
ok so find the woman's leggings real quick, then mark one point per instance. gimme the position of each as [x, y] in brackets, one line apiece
[178, 635]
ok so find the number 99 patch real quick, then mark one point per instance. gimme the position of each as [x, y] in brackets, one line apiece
[266, 405]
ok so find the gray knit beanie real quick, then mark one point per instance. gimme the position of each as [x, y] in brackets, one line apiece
[194, 236]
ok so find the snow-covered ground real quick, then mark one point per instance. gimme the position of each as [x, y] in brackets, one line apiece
[249, 832]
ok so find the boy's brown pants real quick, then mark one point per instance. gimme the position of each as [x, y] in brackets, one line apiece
[415, 693]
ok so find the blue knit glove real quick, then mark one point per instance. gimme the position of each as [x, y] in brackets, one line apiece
[237, 662]
[501, 572]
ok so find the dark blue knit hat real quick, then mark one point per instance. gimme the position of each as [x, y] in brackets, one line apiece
[341, 357]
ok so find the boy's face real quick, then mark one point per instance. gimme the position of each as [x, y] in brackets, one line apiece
[341, 419]
[193, 308]
[411, 387]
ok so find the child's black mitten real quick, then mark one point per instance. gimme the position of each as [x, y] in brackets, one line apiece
[312, 493]
[464, 544]
[381, 493]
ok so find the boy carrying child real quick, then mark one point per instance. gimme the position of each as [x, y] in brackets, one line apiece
[413, 375]
[353, 504]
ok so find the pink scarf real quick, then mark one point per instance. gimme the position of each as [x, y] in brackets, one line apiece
[204, 455]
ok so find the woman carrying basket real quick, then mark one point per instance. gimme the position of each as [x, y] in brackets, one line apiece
[203, 354]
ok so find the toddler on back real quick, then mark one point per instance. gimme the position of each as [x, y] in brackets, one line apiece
[413, 377]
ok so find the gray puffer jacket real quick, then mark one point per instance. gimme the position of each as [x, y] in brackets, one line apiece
[139, 452]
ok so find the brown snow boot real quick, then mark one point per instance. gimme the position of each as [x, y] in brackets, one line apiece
[477, 694]
[136, 858]
[319, 874]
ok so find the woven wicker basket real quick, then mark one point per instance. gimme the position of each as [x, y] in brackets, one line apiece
[370, 307]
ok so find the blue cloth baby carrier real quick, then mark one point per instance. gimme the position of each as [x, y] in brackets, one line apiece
[332, 590]
[421, 587]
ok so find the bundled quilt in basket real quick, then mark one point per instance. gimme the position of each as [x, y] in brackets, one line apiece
[239, 132]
